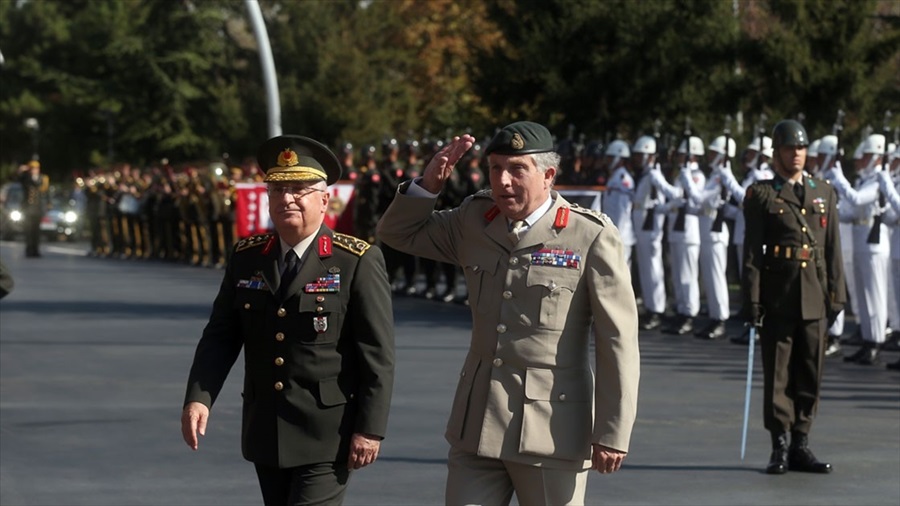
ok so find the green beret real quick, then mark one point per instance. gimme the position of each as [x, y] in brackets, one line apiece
[521, 138]
[297, 158]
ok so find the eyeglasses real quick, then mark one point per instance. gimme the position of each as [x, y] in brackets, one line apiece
[298, 192]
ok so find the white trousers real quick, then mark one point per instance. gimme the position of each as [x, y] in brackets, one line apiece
[713, 263]
[651, 273]
[872, 271]
[686, 277]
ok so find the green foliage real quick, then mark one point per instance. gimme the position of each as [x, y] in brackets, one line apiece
[181, 79]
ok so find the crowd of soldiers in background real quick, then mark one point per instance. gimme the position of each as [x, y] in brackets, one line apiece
[672, 220]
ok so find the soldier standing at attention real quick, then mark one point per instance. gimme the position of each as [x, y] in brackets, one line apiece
[619, 195]
[648, 226]
[34, 187]
[543, 276]
[793, 286]
[311, 309]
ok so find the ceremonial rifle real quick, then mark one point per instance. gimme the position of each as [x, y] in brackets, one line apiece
[678, 226]
[875, 232]
[720, 212]
[651, 212]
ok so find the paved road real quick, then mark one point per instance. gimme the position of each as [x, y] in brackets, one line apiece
[94, 355]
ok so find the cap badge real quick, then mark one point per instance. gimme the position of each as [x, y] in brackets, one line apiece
[287, 158]
[517, 141]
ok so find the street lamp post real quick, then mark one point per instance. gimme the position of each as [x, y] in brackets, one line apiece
[34, 126]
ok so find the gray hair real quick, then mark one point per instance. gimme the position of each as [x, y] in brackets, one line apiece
[544, 161]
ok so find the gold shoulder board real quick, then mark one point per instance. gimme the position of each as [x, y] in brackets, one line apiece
[252, 242]
[352, 244]
[596, 216]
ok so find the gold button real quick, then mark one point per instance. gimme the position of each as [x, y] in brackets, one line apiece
[281, 312]
[501, 328]
[475, 268]
[279, 336]
[320, 309]
[247, 305]
[803, 229]
[497, 362]
[507, 295]
[279, 361]
[320, 298]
[514, 261]
[562, 397]
[802, 265]
[552, 286]
[279, 386]
[803, 211]
[781, 211]
[805, 246]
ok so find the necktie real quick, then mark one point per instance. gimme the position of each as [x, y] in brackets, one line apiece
[516, 231]
[798, 190]
[291, 267]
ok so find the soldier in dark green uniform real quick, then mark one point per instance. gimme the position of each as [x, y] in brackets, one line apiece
[793, 287]
[34, 187]
[311, 309]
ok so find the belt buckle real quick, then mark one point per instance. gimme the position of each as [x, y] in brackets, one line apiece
[804, 254]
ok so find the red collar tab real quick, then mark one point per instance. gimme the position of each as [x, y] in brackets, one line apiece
[269, 244]
[491, 214]
[324, 246]
[562, 217]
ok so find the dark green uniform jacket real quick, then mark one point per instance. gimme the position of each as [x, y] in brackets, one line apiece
[319, 366]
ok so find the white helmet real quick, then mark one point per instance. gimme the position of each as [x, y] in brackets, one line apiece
[874, 144]
[618, 148]
[827, 145]
[857, 155]
[813, 149]
[718, 145]
[645, 145]
[696, 146]
[766, 146]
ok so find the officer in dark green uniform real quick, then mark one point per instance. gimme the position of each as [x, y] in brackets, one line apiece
[312, 310]
[793, 287]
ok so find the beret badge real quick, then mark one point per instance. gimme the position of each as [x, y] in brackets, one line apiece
[517, 142]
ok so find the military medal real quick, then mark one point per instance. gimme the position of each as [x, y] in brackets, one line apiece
[330, 283]
[255, 282]
[320, 323]
[556, 258]
[823, 220]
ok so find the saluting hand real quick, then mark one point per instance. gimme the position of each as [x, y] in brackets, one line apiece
[363, 450]
[193, 420]
[605, 459]
[439, 168]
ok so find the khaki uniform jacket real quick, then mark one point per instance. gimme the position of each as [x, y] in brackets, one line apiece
[319, 366]
[526, 391]
[780, 260]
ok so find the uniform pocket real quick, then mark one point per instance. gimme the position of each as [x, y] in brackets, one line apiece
[330, 393]
[553, 288]
[480, 272]
[556, 415]
[456, 425]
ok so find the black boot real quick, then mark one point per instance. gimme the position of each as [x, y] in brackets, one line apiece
[872, 356]
[800, 458]
[652, 321]
[778, 462]
[860, 353]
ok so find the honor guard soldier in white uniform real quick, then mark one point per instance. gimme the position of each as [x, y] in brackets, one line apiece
[890, 186]
[648, 221]
[871, 249]
[828, 157]
[544, 276]
[684, 235]
[756, 163]
[619, 195]
[714, 236]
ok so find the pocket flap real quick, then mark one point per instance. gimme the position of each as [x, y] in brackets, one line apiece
[571, 385]
[330, 393]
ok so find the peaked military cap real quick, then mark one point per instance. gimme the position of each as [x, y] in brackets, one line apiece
[521, 138]
[297, 158]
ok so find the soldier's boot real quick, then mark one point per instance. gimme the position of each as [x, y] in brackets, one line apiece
[872, 355]
[800, 458]
[778, 461]
[860, 353]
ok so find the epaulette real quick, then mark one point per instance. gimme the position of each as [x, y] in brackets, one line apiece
[252, 241]
[352, 244]
[594, 215]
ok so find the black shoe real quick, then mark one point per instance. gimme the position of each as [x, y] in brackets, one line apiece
[687, 325]
[778, 461]
[894, 366]
[714, 330]
[429, 294]
[744, 338]
[860, 353]
[800, 458]
[893, 342]
[871, 357]
[652, 321]
[448, 297]
[833, 348]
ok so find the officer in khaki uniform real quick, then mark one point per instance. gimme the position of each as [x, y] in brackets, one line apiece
[528, 416]
[312, 310]
[794, 282]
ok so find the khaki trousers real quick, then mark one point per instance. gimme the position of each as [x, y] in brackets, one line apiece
[474, 480]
